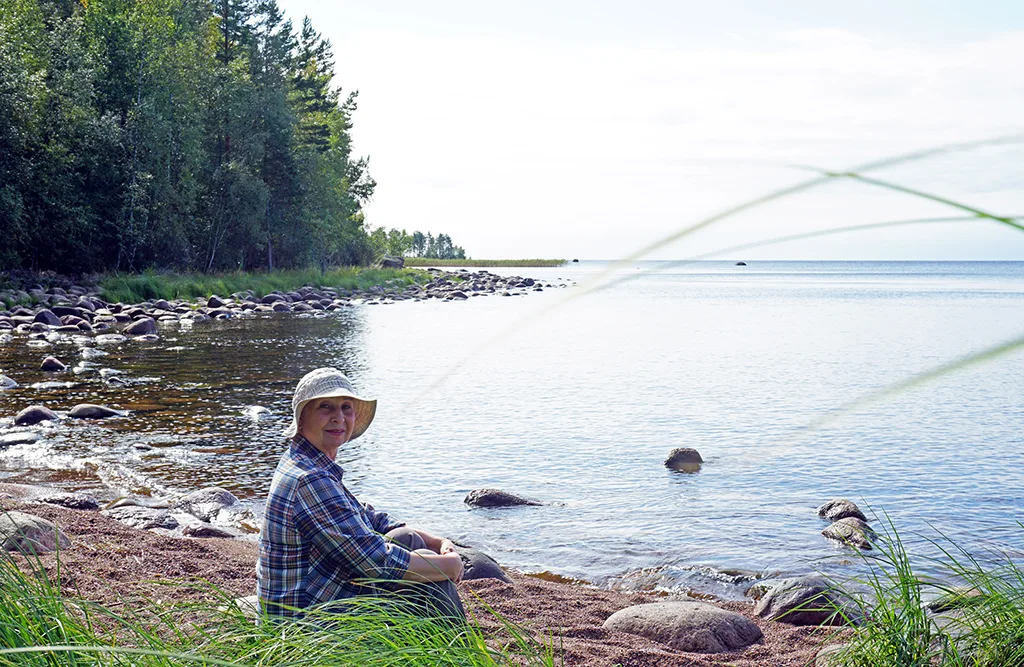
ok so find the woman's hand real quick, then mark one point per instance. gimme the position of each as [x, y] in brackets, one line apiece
[446, 547]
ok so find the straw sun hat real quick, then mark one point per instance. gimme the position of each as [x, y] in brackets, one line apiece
[330, 383]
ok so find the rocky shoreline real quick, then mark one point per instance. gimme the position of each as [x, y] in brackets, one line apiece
[106, 561]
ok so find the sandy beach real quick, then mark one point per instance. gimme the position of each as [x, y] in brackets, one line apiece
[117, 566]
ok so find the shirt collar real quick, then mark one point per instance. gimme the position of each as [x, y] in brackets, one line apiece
[305, 448]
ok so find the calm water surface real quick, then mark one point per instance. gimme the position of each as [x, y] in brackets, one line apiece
[579, 406]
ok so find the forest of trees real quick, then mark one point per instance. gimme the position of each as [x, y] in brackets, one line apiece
[189, 134]
[399, 243]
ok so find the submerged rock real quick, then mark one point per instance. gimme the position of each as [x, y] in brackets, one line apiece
[840, 508]
[805, 601]
[20, 438]
[851, 531]
[695, 627]
[496, 498]
[92, 353]
[34, 414]
[7, 383]
[91, 411]
[684, 459]
[30, 534]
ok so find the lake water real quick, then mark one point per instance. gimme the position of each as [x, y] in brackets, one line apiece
[575, 398]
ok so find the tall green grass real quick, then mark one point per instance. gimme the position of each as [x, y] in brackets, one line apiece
[135, 288]
[40, 627]
[983, 627]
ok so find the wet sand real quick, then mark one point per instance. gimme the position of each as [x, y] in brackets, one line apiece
[116, 566]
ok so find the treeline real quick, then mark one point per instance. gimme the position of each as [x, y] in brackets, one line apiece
[399, 243]
[189, 134]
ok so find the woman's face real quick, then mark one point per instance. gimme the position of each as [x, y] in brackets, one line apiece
[327, 423]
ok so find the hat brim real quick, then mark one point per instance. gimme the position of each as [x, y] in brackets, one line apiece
[366, 409]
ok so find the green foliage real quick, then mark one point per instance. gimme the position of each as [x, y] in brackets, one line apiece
[135, 288]
[399, 243]
[982, 626]
[40, 627]
[174, 134]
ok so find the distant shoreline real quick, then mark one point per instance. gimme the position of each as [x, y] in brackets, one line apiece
[418, 262]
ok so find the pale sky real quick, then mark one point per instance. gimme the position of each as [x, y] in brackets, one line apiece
[589, 129]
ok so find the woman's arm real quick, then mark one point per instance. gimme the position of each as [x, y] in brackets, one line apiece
[425, 567]
[439, 545]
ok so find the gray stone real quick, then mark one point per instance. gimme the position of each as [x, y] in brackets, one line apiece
[388, 262]
[34, 414]
[806, 601]
[47, 317]
[272, 298]
[110, 339]
[142, 518]
[91, 411]
[479, 565]
[457, 294]
[141, 327]
[684, 459]
[205, 504]
[206, 530]
[851, 531]
[496, 498]
[30, 534]
[840, 508]
[74, 501]
[7, 383]
[249, 605]
[215, 302]
[695, 627]
[282, 307]
[52, 365]
[21, 438]
[92, 353]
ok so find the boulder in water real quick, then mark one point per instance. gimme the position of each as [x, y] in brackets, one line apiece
[805, 601]
[496, 498]
[141, 327]
[52, 365]
[684, 459]
[840, 508]
[91, 411]
[20, 438]
[851, 531]
[34, 414]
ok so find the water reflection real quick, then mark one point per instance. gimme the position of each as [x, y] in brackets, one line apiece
[191, 398]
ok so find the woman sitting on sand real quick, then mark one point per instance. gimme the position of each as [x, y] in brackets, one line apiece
[318, 543]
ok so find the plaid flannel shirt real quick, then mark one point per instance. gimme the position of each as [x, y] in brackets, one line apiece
[317, 539]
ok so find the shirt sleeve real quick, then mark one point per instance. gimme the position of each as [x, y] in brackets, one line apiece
[325, 516]
[382, 522]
